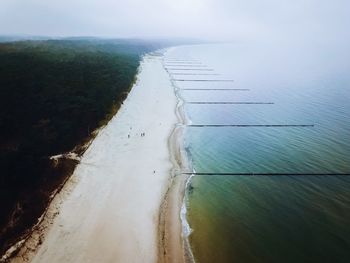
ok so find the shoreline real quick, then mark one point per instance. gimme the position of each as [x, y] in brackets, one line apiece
[98, 231]
[174, 242]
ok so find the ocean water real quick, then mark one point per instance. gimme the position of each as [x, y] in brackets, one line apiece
[268, 133]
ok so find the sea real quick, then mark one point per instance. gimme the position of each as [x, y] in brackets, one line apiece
[267, 134]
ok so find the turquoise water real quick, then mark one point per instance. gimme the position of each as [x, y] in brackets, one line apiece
[262, 218]
[270, 219]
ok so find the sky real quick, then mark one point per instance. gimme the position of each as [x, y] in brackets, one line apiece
[318, 20]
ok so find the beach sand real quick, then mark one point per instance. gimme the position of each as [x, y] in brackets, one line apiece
[109, 210]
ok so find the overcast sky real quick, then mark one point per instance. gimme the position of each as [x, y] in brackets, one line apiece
[213, 19]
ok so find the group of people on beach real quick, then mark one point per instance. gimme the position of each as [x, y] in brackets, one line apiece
[143, 134]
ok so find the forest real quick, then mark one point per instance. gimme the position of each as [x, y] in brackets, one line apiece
[53, 95]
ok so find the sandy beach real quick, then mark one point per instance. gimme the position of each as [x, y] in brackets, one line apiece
[109, 210]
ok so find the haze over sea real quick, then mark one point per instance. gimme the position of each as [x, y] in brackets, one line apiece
[293, 103]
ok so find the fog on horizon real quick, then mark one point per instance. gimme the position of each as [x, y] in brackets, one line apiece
[219, 20]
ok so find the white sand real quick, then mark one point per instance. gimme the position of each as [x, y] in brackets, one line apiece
[111, 214]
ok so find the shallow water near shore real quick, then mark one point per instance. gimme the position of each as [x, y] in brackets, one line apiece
[274, 111]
